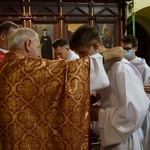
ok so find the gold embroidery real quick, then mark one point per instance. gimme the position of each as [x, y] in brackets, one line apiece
[44, 105]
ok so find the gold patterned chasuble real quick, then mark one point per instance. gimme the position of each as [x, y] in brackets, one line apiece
[44, 105]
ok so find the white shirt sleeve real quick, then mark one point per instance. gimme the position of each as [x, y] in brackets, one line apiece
[98, 76]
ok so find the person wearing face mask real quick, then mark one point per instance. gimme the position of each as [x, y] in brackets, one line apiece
[123, 104]
[130, 44]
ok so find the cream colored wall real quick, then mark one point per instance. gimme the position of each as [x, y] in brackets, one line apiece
[142, 11]
[139, 4]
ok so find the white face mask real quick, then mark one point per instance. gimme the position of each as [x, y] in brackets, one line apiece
[92, 51]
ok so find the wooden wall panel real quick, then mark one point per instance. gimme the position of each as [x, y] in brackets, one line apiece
[62, 13]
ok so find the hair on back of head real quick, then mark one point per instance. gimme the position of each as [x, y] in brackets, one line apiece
[130, 39]
[83, 36]
[5, 26]
[60, 42]
[21, 35]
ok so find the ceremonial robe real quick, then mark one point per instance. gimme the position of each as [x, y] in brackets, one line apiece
[124, 106]
[44, 104]
[144, 69]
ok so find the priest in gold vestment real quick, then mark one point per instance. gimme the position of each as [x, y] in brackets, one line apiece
[44, 104]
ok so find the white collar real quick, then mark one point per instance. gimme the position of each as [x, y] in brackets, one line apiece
[4, 50]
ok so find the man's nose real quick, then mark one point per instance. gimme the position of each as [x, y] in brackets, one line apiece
[57, 56]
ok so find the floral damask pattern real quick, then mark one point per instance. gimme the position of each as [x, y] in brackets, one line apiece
[44, 105]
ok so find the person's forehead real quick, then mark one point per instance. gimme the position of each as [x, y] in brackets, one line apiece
[61, 49]
[129, 44]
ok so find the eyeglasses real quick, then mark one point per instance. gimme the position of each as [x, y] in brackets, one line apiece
[127, 48]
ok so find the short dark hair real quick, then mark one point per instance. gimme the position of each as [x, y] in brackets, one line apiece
[5, 26]
[60, 42]
[83, 36]
[130, 39]
[44, 29]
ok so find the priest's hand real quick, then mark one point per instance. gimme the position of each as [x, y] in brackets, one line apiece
[116, 53]
[147, 88]
[95, 113]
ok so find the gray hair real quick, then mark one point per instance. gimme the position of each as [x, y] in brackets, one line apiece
[18, 38]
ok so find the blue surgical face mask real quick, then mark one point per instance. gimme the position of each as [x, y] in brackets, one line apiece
[129, 54]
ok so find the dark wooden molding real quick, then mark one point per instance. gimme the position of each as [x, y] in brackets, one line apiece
[59, 13]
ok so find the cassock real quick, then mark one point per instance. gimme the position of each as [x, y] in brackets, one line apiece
[124, 106]
[44, 104]
[46, 47]
[144, 69]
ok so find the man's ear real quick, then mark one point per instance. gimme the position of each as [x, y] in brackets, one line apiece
[2, 36]
[67, 47]
[135, 48]
[95, 45]
[27, 45]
